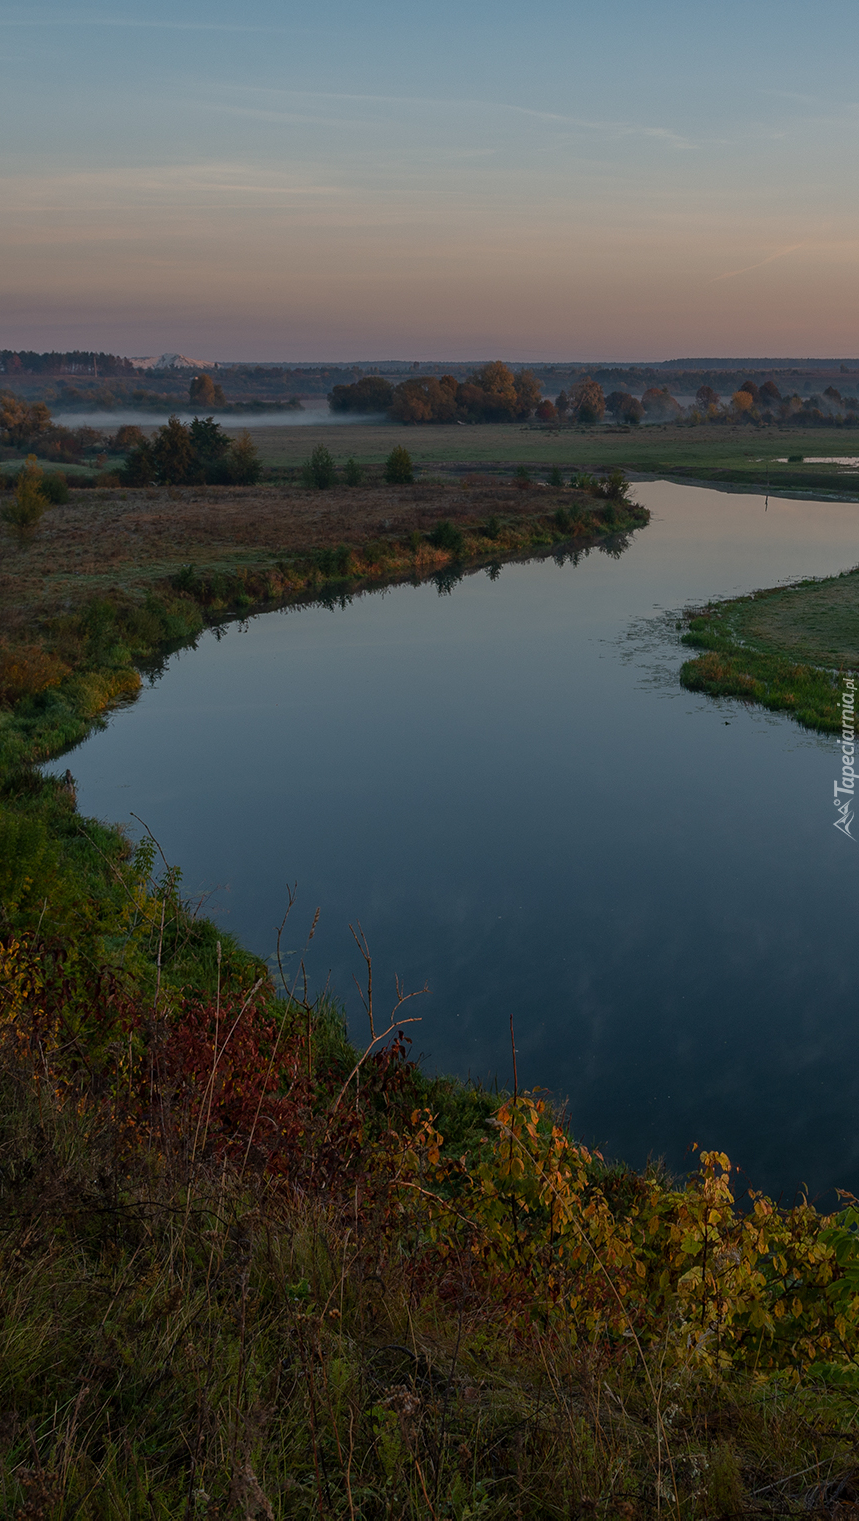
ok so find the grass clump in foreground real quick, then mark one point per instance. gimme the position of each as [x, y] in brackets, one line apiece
[247, 1272]
[784, 648]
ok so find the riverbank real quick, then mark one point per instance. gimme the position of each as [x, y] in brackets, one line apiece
[246, 1276]
[785, 648]
[256, 544]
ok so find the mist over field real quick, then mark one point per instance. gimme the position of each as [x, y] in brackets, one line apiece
[313, 416]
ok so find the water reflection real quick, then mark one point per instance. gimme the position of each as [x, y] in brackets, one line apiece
[499, 775]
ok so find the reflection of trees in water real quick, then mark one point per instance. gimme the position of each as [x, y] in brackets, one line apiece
[446, 579]
[331, 598]
[615, 546]
[336, 597]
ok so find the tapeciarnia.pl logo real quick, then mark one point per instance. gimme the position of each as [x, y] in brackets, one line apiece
[848, 776]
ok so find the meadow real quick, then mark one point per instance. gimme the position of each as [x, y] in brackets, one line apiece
[731, 456]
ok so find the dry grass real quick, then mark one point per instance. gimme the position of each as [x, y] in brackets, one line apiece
[133, 539]
[817, 621]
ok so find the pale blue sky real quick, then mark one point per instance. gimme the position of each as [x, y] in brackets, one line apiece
[377, 180]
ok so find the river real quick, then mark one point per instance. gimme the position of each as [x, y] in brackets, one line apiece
[510, 791]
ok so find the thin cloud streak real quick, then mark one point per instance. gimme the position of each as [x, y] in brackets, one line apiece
[64, 19]
[782, 253]
[555, 118]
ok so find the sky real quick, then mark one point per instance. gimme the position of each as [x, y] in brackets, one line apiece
[364, 181]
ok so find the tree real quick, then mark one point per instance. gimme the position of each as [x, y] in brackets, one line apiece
[173, 455]
[199, 454]
[24, 514]
[201, 391]
[562, 404]
[742, 402]
[353, 472]
[750, 387]
[490, 393]
[371, 394]
[546, 412]
[425, 400]
[398, 467]
[587, 401]
[660, 405]
[770, 393]
[319, 470]
[127, 437]
[209, 443]
[617, 401]
[706, 398]
[139, 468]
[22, 422]
[528, 392]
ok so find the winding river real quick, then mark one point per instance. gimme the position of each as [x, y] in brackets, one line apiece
[507, 787]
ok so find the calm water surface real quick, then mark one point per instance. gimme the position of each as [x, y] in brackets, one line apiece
[509, 790]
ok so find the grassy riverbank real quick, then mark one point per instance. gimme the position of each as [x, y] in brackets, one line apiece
[783, 648]
[251, 1271]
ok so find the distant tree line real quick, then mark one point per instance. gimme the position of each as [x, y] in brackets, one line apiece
[495, 393]
[492, 393]
[77, 362]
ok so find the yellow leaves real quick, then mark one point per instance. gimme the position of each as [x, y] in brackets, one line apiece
[541, 1220]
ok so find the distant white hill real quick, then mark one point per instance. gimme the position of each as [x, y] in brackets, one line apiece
[170, 362]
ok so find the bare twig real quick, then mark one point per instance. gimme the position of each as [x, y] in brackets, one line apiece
[377, 1039]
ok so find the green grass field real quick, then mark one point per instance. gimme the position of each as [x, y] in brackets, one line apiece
[738, 456]
[783, 648]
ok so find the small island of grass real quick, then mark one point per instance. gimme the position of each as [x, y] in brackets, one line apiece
[784, 648]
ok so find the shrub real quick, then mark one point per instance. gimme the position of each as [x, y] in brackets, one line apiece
[353, 472]
[398, 467]
[55, 488]
[24, 514]
[522, 479]
[334, 562]
[243, 466]
[28, 669]
[555, 477]
[376, 551]
[446, 535]
[319, 471]
[612, 488]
